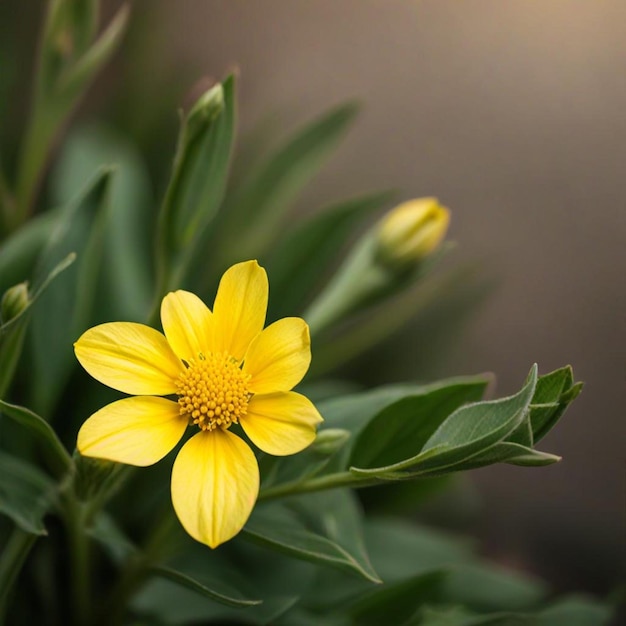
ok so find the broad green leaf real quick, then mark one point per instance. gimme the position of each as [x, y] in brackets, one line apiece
[277, 527]
[399, 551]
[483, 587]
[573, 611]
[126, 288]
[394, 604]
[198, 182]
[63, 313]
[26, 494]
[401, 430]
[262, 201]
[298, 263]
[467, 432]
[54, 449]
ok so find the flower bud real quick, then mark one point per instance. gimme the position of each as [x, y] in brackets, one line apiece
[411, 231]
[14, 301]
[329, 440]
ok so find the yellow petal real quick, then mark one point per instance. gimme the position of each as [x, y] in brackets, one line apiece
[186, 321]
[137, 431]
[129, 357]
[215, 483]
[279, 357]
[239, 309]
[281, 423]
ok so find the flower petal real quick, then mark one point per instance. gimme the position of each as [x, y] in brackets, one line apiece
[215, 483]
[129, 357]
[239, 309]
[186, 321]
[279, 357]
[281, 423]
[137, 431]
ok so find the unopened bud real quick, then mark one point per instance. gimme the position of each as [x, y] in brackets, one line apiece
[329, 440]
[411, 231]
[14, 301]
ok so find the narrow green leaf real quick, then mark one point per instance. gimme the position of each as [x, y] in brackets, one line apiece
[195, 585]
[19, 252]
[125, 291]
[106, 532]
[277, 527]
[64, 312]
[198, 181]
[55, 450]
[555, 392]
[12, 557]
[26, 494]
[13, 332]
[301, 258]
[262, 201]
[70, 60]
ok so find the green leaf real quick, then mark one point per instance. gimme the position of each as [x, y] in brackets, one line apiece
[18, 253]
[26, 494]
[489, 588]
[70, 60]
[301, 258]
[198, 181]
[470, 430]
[394, 604]
[282, 529]
[63, 313]
[13, 331]
[262, 201]
[126, 288]
[55, 450]
[573, 611]
[401, 430]
[195, 585]
[555, 392]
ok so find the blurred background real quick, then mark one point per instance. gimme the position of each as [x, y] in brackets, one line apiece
[514, 115]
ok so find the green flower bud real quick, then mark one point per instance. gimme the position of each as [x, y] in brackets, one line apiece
[329, 440]
[14, 301]
[411, 232]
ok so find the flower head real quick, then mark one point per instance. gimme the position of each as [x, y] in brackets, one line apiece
[223, 369]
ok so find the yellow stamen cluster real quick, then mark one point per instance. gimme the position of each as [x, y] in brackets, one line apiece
[213, 391]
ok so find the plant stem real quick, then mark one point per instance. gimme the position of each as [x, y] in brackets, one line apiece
[13, 556]
[331, 481]
[137, 568]
[80, 555]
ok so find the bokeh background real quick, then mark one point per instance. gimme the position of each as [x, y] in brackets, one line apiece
[512, 113]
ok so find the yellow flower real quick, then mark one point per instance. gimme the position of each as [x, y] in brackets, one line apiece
[224, 369]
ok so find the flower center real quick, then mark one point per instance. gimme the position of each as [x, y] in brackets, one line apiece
[213, 391]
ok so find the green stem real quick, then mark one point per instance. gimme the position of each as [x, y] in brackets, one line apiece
[14, 554]
[80, 556]
[136, 570]
[331, 481]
